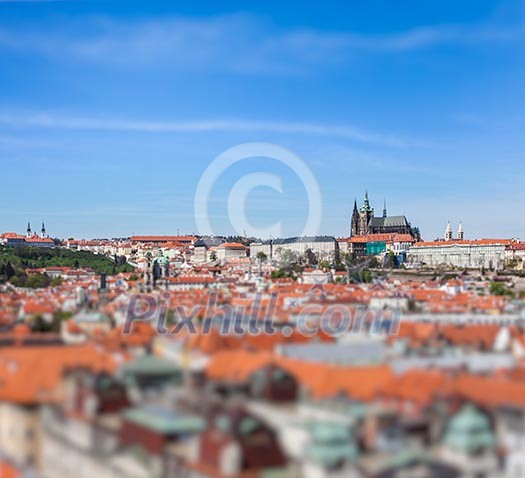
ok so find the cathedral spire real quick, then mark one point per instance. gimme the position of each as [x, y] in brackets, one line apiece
[43, 231]
[384, 209]
[366, 203]
[28, 229]
[354, 221]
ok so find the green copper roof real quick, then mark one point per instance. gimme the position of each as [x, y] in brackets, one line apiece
[469, 430]
[248, 425]
[149, 365]
[330, 432]
[331, 443]
[161, 260]
[164, 421]
[331, 455]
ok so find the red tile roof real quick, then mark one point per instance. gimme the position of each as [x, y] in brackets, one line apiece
[8, 471]
[31, 375]
[475, 242]
[182, 239]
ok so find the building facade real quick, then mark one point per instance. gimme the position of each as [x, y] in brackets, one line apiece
[324, 247]
[476, 254]
[31, 238]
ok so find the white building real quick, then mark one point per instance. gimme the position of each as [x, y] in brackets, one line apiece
[228, 251]
[476, 254]
[324, 247]
[202, 246]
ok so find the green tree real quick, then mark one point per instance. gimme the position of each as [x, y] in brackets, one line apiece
[366, 276]
[391, 261]
[261, 256]
[37, 281]
[9, 271]
[15, 281]
[311, 258]
[57, 281]
[498, 288]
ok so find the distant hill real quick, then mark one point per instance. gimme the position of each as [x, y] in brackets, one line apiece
[35, 257]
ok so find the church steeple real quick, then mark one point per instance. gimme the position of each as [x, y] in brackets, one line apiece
[28, 231]
[448, 232]
[461, 234]
[384, 209]
[43, 231]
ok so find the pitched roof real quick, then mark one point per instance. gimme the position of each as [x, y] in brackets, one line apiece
[31, 374]
[390, 221]
[163, 238]
[475, 242]
[232, 245]
[417, 385]
[491, 391]
[321, 380]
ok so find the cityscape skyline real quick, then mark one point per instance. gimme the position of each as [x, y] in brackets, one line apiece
[262, 239]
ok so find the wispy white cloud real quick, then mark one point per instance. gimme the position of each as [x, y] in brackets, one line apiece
[241, 43]
[147, 126]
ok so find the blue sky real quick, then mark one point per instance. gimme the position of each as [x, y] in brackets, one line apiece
[110, 112]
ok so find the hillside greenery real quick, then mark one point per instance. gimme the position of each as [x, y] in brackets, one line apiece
[14, 260]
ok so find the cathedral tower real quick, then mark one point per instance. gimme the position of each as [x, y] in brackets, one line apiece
[366, 213]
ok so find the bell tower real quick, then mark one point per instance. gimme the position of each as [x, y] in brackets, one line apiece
[461, 233]
[448, 232]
